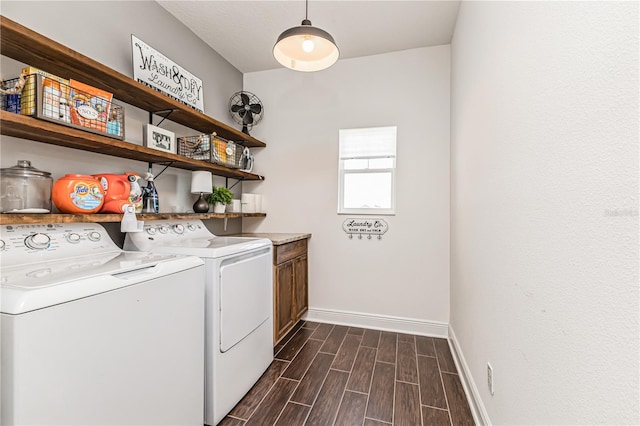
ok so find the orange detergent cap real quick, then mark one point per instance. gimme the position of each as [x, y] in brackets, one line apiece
[77, 194]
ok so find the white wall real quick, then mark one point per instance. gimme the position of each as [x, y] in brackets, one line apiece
[406, 274]
[102, 31]
[544, 281]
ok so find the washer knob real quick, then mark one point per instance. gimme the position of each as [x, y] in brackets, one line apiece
[94, 236]
[73, 238]
[178, 229]
[37, 241]
[163, 229]
[191, 227]
[151, 231]
[2, 245]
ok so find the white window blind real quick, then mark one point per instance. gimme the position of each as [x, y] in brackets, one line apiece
[367, 170]
[368, 143]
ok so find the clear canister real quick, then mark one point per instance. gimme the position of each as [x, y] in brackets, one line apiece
[25, 189]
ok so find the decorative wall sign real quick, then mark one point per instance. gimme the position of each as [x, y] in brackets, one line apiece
[155, 70]
[365, 226]
[160, 139]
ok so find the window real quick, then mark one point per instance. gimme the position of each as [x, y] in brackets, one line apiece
[367, 171]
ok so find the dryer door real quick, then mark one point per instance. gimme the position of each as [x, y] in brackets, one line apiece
[246, 283]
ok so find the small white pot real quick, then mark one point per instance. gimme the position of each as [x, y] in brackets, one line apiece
[219, 208]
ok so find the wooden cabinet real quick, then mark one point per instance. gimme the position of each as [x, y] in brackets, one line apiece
[24, 45]
[291, 297]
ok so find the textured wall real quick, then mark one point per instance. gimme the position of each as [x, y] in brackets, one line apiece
[406, 274]
[545, 208]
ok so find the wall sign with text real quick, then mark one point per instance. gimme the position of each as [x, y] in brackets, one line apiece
[155, 70]
[368, 227]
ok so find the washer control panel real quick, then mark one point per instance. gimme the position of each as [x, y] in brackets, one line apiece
[25, 243]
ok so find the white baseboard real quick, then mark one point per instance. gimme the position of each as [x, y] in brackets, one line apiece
[478, 410]
[379, 322]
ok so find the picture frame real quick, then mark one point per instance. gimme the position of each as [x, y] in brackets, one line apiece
[159, 139]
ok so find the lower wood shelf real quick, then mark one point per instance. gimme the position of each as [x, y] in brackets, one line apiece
[12, 219]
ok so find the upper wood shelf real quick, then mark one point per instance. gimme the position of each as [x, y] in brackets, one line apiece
[25, 127]
[24, 45]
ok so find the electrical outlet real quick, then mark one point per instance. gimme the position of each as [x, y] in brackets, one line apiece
[490, 378]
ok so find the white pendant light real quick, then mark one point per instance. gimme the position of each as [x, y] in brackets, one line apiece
[306, 48]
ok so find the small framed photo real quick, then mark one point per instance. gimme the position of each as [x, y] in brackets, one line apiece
[156, 138]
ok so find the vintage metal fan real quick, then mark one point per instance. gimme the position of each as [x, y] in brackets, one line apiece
[246, 109]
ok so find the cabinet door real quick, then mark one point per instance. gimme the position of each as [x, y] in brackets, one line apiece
[283, 309]
[300, 287]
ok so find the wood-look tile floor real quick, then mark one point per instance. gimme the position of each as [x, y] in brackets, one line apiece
[326, 374]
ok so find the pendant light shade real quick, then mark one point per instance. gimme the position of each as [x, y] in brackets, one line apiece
[306, 48]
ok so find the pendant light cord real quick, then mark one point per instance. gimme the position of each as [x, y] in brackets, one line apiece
[306, 10]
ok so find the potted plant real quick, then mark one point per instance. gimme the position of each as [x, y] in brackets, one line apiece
[220, 198]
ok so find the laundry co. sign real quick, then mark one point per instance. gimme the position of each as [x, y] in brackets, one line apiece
[365, 226]
[155, 70]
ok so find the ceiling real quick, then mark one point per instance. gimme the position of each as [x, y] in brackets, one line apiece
[244, 32]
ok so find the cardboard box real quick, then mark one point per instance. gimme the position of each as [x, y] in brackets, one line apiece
[53, 88]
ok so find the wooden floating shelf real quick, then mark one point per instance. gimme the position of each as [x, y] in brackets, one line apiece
[23, 126]
[27, 46]
[15, 219]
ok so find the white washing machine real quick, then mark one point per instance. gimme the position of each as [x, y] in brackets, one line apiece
[239, 305]
[93, 335]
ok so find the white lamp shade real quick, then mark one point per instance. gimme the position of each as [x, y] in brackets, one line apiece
[306, 48]
[201, 182]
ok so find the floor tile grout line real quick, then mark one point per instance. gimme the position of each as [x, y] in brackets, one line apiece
[419, 386]
[444, 391]
[299, 381]
[298, 351]
[407, 383]
[335, 416]
[296, 388]
[395, 374]
[375, 359]
[287, 341]
[323, 380]
[236, 418]
[435, 408]
[303, 374]
[328, 333]
[341, 343]
[354, 358]
[284, 406]
[319, 390]
[353, 365]
[376, 420]
[265, 394]
[369, 387]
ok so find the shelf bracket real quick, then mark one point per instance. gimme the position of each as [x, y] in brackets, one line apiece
[226, 183]
[166, 165]
[166, 113]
